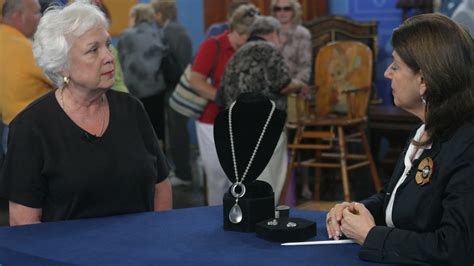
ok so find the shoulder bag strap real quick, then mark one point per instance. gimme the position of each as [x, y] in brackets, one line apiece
[216, 59]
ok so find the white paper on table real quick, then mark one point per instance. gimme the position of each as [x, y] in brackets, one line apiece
[323, 242]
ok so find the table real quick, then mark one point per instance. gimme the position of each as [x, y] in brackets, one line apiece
[193, 236]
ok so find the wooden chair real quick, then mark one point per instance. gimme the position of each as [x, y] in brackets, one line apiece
[343, 77]
[327, 29]
[337, 28]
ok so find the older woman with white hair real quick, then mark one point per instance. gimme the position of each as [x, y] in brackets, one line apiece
[82, 150]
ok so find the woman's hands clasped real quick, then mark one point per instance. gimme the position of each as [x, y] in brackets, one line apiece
[352, 220]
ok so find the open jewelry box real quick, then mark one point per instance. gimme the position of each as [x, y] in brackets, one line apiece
[286, 229]
[246, 136]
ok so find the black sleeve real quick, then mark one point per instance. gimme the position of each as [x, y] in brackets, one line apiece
[375, 206]
[20, 178]
[452, 242]
[151, 142]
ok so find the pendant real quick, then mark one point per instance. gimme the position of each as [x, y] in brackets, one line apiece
[235, 214]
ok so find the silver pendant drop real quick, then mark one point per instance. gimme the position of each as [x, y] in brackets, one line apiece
[235, 214]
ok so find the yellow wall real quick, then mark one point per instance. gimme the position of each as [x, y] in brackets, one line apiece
[118, 14]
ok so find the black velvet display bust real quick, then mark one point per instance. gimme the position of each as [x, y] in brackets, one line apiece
[249, 115]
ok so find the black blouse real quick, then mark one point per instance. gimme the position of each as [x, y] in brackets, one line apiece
[55, 165]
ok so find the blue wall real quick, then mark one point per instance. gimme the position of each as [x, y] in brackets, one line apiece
[191, 15]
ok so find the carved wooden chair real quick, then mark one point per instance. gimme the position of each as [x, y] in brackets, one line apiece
[337, 28]
[343, 78]
[330, 29]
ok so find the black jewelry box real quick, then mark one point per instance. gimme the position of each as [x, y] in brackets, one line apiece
[257, 205]
[286, 229]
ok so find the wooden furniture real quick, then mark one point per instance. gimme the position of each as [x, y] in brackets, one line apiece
[337, 28]
[343, 77]
[393, 124]
[330, 29]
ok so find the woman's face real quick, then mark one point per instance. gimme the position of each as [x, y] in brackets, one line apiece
[283, 11]
[407, 86]
[91, 62]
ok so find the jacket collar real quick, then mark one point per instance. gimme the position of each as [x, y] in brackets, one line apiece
[400, 167]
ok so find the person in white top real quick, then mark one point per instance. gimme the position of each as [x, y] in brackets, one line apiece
[423, 215]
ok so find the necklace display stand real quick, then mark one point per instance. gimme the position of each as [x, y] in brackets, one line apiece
[248, 117]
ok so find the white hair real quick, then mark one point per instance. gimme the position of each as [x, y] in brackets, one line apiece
[52, 39]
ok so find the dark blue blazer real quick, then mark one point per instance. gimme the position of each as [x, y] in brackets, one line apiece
[434, 222]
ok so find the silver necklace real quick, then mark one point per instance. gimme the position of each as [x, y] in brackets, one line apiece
[235, 214]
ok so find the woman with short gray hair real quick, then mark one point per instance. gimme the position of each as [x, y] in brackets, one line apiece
[53, 41]
[82, 150]
[264, 25]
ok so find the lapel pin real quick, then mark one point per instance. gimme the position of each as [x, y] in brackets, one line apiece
[424, 172]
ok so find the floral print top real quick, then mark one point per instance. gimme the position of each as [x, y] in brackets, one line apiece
[297, 52]
[257, 66]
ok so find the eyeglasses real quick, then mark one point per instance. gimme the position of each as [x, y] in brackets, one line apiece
[282, 8]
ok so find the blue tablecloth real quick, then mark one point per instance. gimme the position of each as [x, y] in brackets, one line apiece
[192, 236]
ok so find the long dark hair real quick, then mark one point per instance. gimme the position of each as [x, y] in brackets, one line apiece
[443, 52]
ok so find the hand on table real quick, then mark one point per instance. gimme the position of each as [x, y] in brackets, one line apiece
[356, 222]
[350, 219]
[333, 220]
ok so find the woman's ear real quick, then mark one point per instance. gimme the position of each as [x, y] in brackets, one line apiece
[422, 84]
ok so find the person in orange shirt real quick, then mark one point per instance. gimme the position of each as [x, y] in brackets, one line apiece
[21, 80]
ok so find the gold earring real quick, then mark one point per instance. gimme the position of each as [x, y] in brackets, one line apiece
[66, 80]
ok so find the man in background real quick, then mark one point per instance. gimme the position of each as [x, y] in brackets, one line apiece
[21, 80]
[180, 48]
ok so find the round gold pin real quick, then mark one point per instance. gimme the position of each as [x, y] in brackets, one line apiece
[424, 172]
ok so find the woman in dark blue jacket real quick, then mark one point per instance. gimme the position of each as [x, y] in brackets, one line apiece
[425, 214]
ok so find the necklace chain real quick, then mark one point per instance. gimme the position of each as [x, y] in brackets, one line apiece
[102, 102]
[234, 160]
